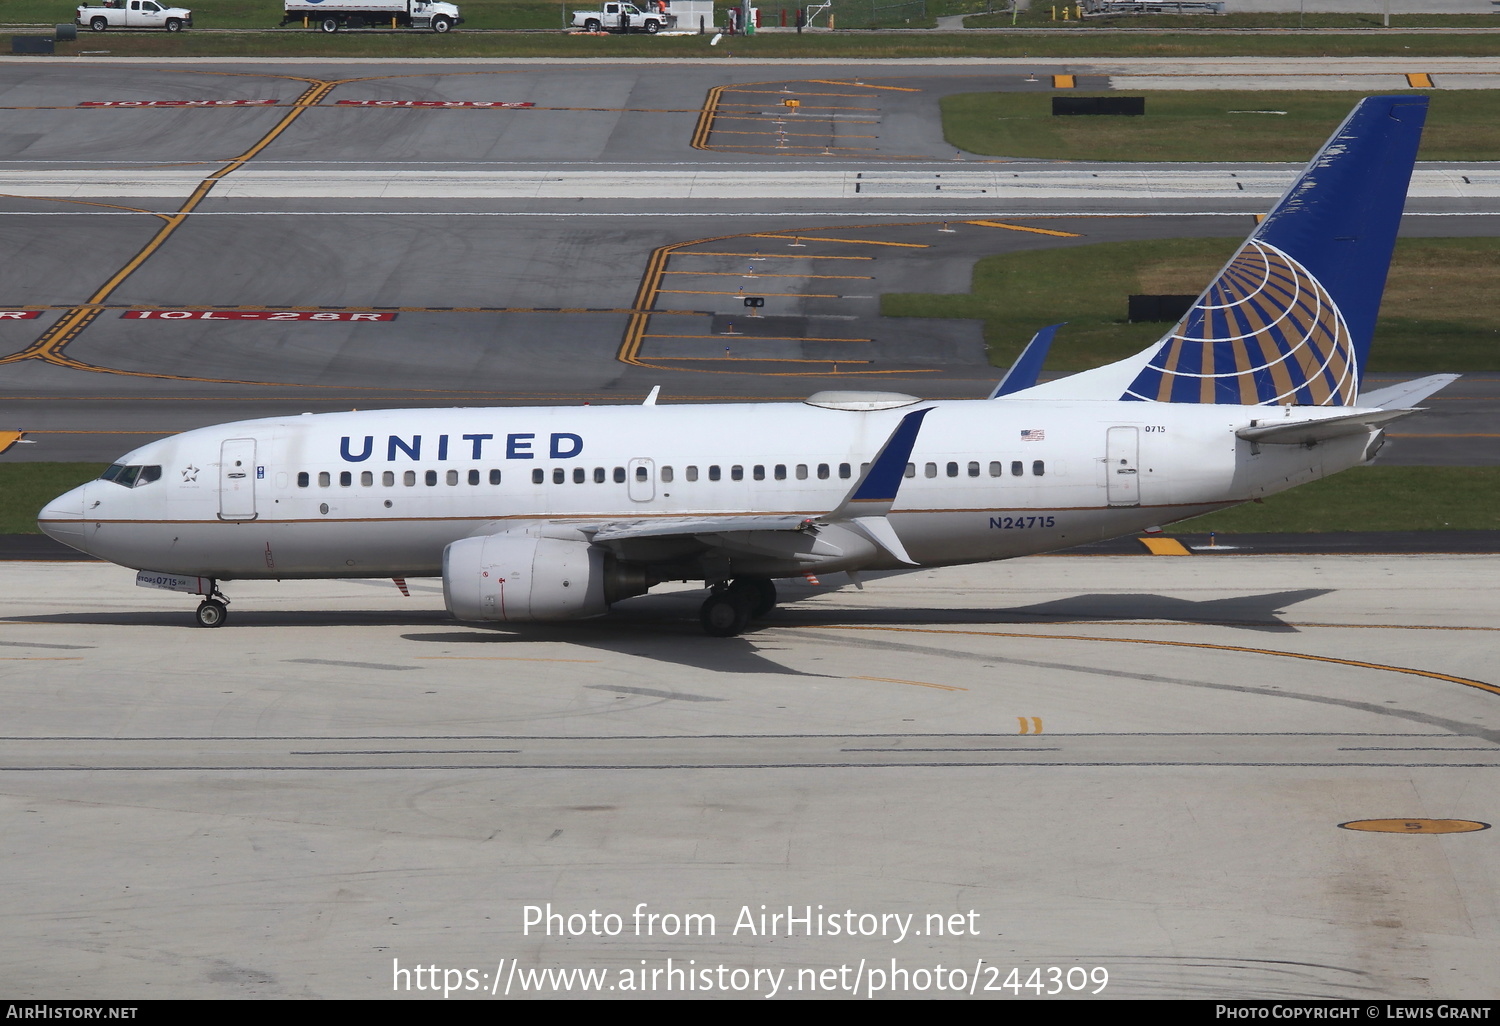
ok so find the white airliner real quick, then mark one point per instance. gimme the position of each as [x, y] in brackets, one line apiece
[556, 513]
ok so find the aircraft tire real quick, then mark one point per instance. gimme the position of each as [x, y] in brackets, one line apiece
[725, 614]
[212, 613]
[759, 592]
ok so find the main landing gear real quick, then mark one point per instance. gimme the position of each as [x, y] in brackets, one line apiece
[214, 610]
[730, 606]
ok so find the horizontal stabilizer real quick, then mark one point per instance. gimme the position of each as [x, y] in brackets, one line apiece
[1306, 432]
[1408, 393]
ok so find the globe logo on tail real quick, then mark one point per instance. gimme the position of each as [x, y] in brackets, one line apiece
[1265, 333]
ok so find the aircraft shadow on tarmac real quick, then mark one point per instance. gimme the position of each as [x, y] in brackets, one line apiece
[646, 622]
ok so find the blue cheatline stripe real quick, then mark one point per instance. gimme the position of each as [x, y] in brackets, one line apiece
[884, 479]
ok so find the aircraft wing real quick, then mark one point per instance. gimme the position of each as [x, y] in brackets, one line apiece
[1306, 432]
[677, 527]
[862, 511]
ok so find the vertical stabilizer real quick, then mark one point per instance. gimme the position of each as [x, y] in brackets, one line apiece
[1288, 321]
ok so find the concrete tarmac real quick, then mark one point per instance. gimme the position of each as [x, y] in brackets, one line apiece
[1139, 771]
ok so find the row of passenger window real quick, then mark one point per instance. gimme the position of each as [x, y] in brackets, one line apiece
[581, 475]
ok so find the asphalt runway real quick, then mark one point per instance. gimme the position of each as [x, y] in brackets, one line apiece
[1139, 766]
[585, 248]
[343, 784]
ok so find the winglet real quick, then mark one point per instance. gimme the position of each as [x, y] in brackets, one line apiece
[1028, 366]
[875, 491]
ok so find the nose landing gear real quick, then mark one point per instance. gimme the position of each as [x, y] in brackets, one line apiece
[214, 610]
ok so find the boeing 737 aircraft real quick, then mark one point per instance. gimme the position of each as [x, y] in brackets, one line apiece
[556, 513]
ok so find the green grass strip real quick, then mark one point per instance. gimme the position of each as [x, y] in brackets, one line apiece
[1439, 312]
[298, 42]
[1207, 125]
[1370, 499]
[26, 487]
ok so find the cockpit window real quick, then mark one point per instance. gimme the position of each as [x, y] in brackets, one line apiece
[131, 477]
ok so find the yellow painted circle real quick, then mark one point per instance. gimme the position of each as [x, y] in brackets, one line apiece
[1416, 826]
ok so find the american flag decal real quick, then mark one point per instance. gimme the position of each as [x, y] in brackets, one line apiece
[1034, 435]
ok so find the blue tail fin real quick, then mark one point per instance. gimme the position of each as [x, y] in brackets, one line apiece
[1289, 319]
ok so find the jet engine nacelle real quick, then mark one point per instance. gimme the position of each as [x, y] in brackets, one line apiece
[519, 578]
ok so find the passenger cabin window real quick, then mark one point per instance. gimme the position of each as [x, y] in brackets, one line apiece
[973, 469]
[1017, 468]
[580, 475]
[388, 479]
[758, 472]
[845, 471]
[1038, 468]
[494, 477]
[911, 469]
[930, 470]
[619, 475]
[559, 475]
[324, 479]
[599, 475]
[538, 476]
[822, 472]
[996, 468]
[473, 477]
[431, 478]
[737, 473]
[452, 477]
[409, 479]
[692, 473]
[666, 475]
[366, 479]
[713, 472]
[303, 480]
[345, 479]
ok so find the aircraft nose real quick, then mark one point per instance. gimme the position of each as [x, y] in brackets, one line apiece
[62, 519]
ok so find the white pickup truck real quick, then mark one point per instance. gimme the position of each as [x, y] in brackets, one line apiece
[135, 14]
[618, 16]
